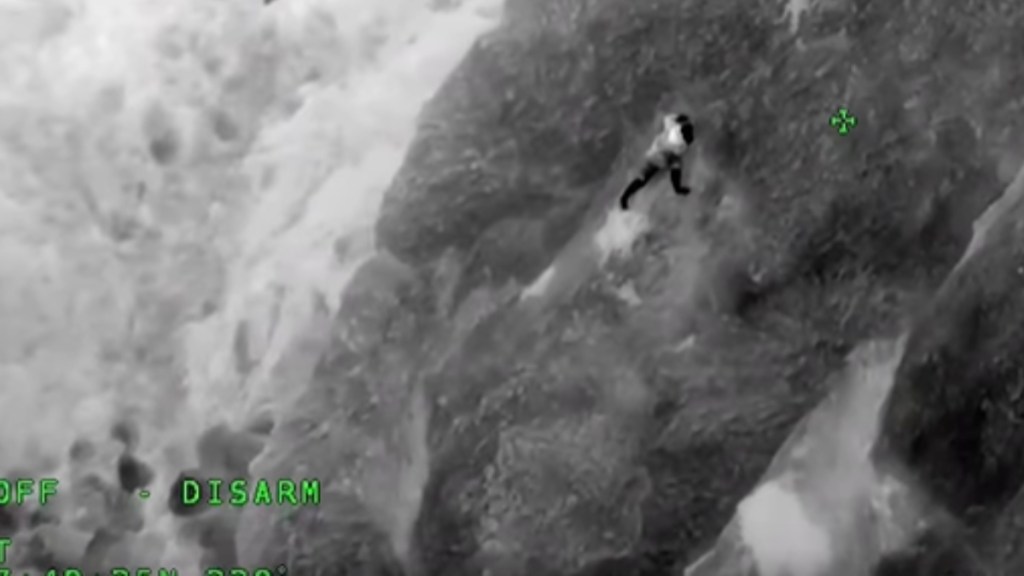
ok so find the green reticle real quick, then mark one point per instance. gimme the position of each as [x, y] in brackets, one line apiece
[843, 121]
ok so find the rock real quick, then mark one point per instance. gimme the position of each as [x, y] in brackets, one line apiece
[244, 362]
[934, 553]
[133, 474]
[127, 433]
[92, 499]
[513, 134]
[56, 545]
[81, 451]
[96, 554]
[165, 141]
[224, 127]
[216, 535]
[227, 452]
[175, 499]
[353, 430]
[511, 249]
[953, 418]
[133, 552]
[671, 408]
[9, 522]
[336, 537]
[822, 507]
[261, 423]
[1005, 541]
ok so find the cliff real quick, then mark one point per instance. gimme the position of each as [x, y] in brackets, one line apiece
[594, 412]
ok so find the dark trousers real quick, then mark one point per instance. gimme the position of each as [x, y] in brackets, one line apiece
[647, 173]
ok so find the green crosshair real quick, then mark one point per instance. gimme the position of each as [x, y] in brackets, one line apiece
[843, 121]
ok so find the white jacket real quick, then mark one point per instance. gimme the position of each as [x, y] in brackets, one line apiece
[669, 145]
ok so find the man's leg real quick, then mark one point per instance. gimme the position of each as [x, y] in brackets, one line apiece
[649, 171]
[676, 176]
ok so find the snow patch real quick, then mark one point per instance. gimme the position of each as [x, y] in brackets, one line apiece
[319, 176]
[793, 11]
[31, 21]
[782, 538]
[121, 272]
[540, 285]
[627, 292]
[619, 232]
[686, 344]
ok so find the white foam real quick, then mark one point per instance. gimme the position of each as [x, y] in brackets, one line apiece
[332, 161]
[782, 538]
[620, 230]
[78, 304]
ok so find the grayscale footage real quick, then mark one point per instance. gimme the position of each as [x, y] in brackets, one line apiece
[511, 288]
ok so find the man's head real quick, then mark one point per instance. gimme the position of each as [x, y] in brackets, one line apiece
[686, 126]
[681, 121]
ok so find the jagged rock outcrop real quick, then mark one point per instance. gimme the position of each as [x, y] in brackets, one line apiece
[953, 420]
[590, 434]
[355, 430]
[954, 416]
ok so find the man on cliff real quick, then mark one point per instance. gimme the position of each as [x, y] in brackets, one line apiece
[665, 153]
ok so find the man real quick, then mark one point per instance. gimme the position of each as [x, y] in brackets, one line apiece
[666, 152]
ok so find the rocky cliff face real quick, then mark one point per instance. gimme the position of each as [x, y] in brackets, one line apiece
[612, 424]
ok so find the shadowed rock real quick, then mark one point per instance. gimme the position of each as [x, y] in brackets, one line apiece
[81, 451]
[133, 474]
[215, 533]
[176, 501]
[262, 424]
[164, 139]
[936, 553]
[354, 430]
[9, 522]
[228, 452]
[954, 415]
[126, 432]
[336, 537]
[796, 245]
[1005, 541]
